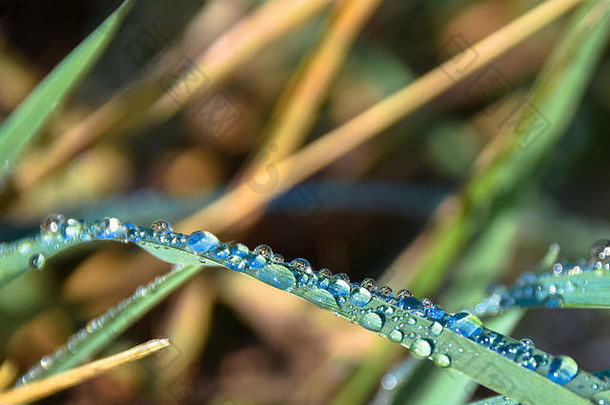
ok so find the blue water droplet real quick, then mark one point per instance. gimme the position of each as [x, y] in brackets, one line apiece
[201, 242]
[109, 228]
[277, 276]
[372, 321]
[236, 263]
[369, 284]
[256, 260]
[239, 249]
[466, 324]
[435, 313]
[133, 232]
[562, 370]
[338, 287]
[360, 296]
[410, 303]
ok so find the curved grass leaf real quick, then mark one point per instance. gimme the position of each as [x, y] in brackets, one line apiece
[575, 285]
[20, 127]
[459, 341]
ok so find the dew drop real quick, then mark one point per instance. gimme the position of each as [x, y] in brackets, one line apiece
[338, 286]
[239, 249]
[396, 335]
[321, 298]
[46, 362]
[442, 360]
[237, 263]
[386, 291]
[360, 296]
[369, 284]
[562, 370]
[435, 329]
[201, 242]
[411, 321]
[403, 293]
[422, 348]
[256, 260]
[162, 227]
[37, 261]
[277, 276]
[410, 303]
[466, 324]
[372, 321]
[263, 250]
[52, 224]
[109, 228]
[73, 228]
[302, 265]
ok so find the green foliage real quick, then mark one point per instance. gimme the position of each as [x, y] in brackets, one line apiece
[25, 122]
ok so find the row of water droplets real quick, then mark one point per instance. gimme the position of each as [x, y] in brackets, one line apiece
[547, 289]
[401, 317]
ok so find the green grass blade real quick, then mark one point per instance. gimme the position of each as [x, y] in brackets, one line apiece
[21, 126]
[460, 342]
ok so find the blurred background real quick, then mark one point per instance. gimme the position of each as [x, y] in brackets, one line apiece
[375, 212]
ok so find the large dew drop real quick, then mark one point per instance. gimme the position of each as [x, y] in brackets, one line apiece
[372, 321]
[562, 370]
[442, 360]
[52, 224]
[321, 298]
[466, 324]
[360, 296]
[422, 348]
[37, 261]
[277, 276]
[201, 242]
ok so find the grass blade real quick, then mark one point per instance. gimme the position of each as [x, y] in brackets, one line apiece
[458, 341]
[21, 126]
[51, 385]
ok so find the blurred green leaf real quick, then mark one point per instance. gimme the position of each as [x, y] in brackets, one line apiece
[21, 126]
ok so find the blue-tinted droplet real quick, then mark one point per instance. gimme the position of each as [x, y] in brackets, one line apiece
[236, 263]
[201, 242]
[360, 296]
[256, 260]
[466, 324]
[239, 249]
[321, 298]
[562, 370]
[277, 276]
[410, 303]
[338, 287]
[301, 265]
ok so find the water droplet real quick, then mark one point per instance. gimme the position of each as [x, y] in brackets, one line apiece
[386, 291]
[53, 223]
[263, 250]
[73, 228]
[410, 303]
[201, 242]
[301, 265]
[369, 284]
[109, 228]
[322, 298]
[435, 329]
[161, 227]
[435, 313]
[422, 348]
[403, 293]
[37, 261]
[427, 303]
[277, 276]
[256, 260]
[140, 291]
[372, 321]
[600, 251]
[466, 324]
[396, 335]
[442, 360]
[46, 362]
[338, 286]
[277, 258]
[360, 296]
[239, 249]
[236, 263]
[411, 321]
[562, 370]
